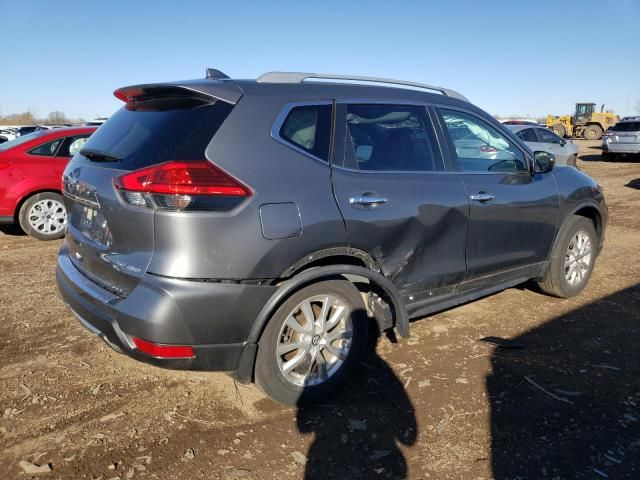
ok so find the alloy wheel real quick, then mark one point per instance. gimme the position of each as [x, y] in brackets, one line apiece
[578, 258]
[48, 217]
[315, 340]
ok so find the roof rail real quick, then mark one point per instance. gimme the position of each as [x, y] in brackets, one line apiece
[299, 77]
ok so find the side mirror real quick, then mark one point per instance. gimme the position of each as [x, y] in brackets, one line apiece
[563, 142]
[543, 162]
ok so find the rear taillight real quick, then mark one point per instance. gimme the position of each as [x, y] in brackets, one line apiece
[158, 350]
[182, 185]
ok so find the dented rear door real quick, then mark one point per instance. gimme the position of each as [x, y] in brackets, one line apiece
[398, 201]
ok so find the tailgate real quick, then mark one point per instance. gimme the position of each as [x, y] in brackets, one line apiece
[110, 229]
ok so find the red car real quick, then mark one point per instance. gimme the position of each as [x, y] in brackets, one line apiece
[30, 171]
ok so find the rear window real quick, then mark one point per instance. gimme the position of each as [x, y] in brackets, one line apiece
[153, 131]
[309, 128]
[626, 127]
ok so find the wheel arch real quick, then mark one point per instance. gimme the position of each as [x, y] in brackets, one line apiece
[400, 317]
[27, 196]
[332, 256]
[589, 210]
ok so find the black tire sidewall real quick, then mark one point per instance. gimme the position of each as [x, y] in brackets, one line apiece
[24, 212]
[557, 267]
[268, 375]
[593, 128]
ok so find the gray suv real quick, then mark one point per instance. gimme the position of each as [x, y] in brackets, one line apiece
[622, 138]
[265, 227]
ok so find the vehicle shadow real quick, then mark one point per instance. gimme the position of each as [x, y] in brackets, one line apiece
[565, 396]
[635, 183]
[591, 158]
[12, 230]
[358, 433]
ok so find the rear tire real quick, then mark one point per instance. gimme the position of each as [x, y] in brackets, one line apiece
[608, 157]
[559, 130]
[593, 132]
[324, 356]
[572, 259]
[43, 216]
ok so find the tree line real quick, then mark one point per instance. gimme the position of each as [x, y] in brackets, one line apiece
[28, 118]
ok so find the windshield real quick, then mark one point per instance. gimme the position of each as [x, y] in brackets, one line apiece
[20, 140]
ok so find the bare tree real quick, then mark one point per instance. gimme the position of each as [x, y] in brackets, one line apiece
[56, 118]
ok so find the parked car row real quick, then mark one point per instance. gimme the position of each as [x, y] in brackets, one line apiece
[263, 227]
[31, 168]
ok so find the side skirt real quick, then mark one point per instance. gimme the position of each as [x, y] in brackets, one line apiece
[474, 289]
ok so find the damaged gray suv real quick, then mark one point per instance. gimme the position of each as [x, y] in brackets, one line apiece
[265, 227]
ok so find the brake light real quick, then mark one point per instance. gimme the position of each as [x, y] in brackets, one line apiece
[163, 351]
[180, 185]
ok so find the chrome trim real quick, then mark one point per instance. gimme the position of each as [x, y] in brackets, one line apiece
[81, 200]
[76, 277]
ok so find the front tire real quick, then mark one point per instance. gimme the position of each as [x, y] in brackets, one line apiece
[312, 342]
[572, 259]
[43, 216]
[593, 132]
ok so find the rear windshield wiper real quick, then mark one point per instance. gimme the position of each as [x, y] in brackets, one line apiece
[99, 156]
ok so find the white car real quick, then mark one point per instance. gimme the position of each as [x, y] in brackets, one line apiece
[7, 134]
[541, 138]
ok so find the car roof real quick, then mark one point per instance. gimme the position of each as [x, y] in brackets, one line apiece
[63, 131]
[283, 84]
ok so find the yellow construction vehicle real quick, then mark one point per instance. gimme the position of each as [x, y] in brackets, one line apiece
[585, 123]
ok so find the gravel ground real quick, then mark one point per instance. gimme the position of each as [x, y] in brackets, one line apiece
[559, 399]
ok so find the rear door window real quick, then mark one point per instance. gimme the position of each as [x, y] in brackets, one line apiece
[309, 127]
[546, 136]
[159, 130]
[528, 135]
[479, 147]
[390, 138]
[73, 145]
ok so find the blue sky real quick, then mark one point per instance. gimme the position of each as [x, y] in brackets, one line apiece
[525, 57]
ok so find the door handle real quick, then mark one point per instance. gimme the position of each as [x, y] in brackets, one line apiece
[482, 197]
[368, 200]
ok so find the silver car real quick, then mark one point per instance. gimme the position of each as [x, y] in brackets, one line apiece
[623, 137]
[540, 138]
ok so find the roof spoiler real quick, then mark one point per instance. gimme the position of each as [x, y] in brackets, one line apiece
[205, 91]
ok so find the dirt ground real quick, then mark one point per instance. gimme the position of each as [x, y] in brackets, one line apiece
[559, 399]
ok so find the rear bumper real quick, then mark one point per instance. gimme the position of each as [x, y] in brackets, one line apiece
[621, 147]
[213, 318]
